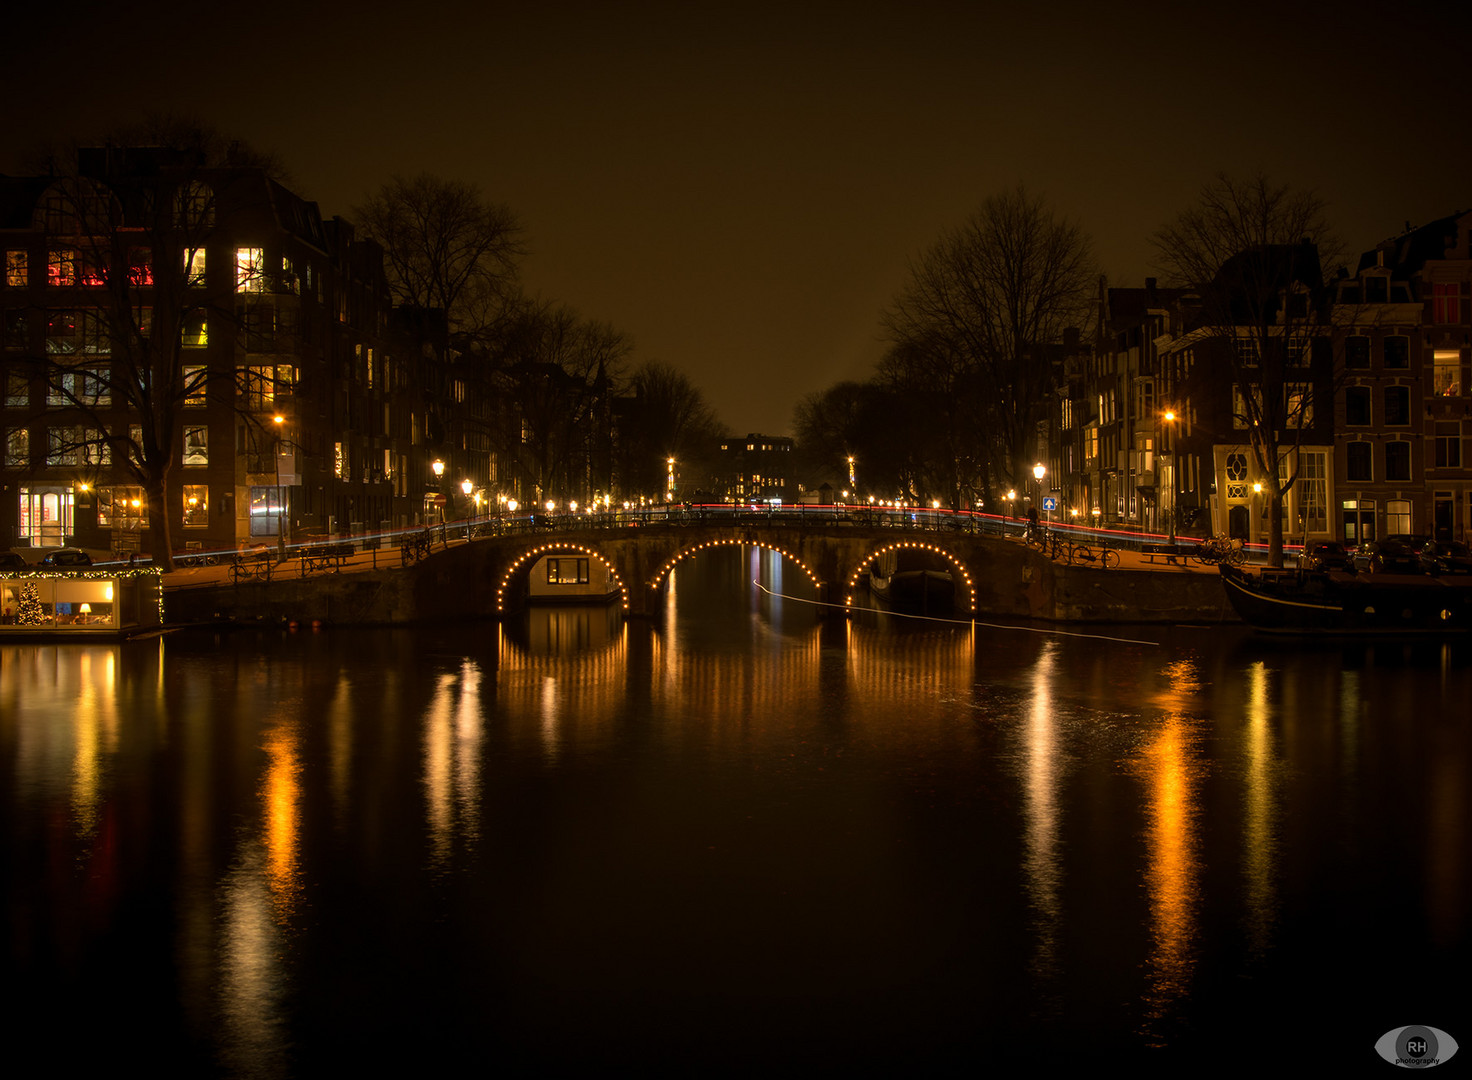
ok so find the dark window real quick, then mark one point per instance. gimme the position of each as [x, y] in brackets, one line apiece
[1397, 405]
[1358, 462]
[1398, 461]
[1357, 406]
[1449, 445]
[1397, 352]
[1357, 351]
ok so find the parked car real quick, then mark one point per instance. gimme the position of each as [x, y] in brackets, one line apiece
[1392, 555]
[12, 560]
[1446, 557]
[65, 557]
[1324, 555]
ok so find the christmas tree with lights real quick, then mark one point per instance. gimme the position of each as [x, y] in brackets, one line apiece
[30, 613]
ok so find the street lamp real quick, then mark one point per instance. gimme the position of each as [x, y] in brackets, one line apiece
[670, 485]
[1167, 463]
[1038, 472]
[851, 481]
[280, 422]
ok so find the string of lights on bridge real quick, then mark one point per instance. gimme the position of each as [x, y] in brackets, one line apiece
[559, 549]
[970, 586]
[670, 564]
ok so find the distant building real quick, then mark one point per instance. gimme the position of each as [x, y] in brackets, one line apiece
[758, 468]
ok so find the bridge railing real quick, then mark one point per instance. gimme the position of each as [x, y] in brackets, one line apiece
[417, 541]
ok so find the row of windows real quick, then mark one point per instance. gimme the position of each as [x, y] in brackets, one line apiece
[67, 268]
[1446, 449]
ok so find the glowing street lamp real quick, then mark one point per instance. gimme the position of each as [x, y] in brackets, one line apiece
[1167, 463]
[670, 482]
[1038, 472]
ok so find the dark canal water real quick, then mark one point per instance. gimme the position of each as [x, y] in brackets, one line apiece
[735, 839]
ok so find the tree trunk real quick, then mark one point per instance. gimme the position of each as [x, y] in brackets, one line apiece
[159, 535]
[1275, 528]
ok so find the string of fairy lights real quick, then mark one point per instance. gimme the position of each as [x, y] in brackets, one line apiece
[670, 564]
[863, 568]
[560, 548]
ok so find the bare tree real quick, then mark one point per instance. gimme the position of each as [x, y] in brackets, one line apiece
[446, 247]
[973, 320]
[1253, 251]
[663, 414]
[554, 376]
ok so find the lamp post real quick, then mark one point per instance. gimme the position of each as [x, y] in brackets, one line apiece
[1168, 467]
[852, 483]
[467, 486]
[670, 481]
[1038, 472]
[438, 468]
[280, 422]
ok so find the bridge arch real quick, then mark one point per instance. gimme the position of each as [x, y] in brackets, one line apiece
[553, 549]
[958, 568]
[668, 566]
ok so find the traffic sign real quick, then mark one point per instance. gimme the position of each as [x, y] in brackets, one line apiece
[1050, 504]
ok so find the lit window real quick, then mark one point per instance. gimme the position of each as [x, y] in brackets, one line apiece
[194, 386]
[1446, 372]
[249, 270]
[1398, 517]
[196, 506]
[17, 273]
[61, 268]
[195, 332]
[62, 444]
[194, 267]
[17, 448]
[196, 444]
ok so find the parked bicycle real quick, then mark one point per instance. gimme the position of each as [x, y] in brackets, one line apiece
[1106, 557]
[1220, 549]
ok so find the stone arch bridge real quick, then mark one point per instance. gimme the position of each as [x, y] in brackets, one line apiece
[488, 574]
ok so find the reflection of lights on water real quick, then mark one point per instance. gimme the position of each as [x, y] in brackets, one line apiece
[1041, 781]
[1169, 768]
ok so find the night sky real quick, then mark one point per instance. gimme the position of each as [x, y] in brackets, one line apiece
[739, 187]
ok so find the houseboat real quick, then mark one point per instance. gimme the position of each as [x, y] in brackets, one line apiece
[80, 602]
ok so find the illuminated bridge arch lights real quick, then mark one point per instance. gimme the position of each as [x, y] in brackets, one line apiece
[535, 553]
[671, 563]
[944, 554]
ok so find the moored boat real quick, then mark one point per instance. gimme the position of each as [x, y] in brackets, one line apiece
[1332, 603]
